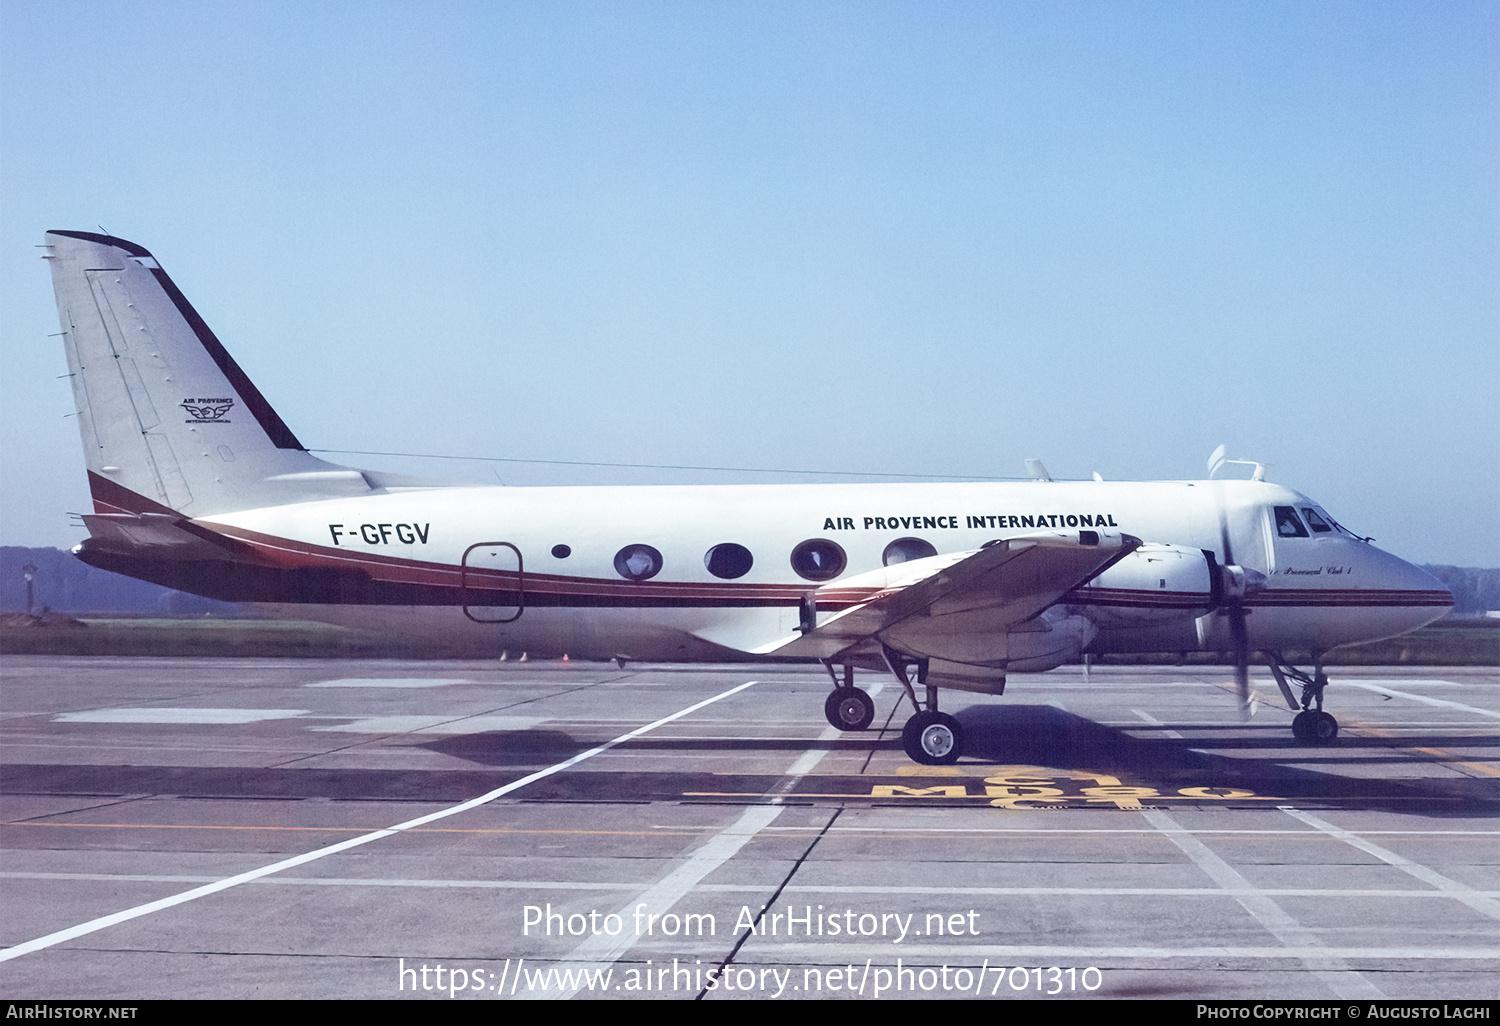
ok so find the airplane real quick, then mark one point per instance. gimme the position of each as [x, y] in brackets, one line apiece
[199, 485]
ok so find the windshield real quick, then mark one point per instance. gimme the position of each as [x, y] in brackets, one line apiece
[1321, 523]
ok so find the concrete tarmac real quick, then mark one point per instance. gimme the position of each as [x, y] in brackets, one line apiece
[232, 828]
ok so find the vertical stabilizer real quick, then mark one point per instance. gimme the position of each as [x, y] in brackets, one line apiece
[166, 414]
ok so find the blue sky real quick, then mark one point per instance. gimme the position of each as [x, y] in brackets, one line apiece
[880, 237]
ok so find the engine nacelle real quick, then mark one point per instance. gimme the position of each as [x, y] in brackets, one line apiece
[1048, 640]
[1065, 637]
[1154, 585]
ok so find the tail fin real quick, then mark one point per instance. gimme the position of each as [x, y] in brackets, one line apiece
[168, 418]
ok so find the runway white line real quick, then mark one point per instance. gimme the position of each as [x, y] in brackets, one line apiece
[104, 922]
[604, 949]
[1331, 969]
[392, 682]
[1451, 888]
[604, 885]
[1405, 682]
[430, 724]
[808, 760]
[1440, 702]
[1204, 831]
[1156, 723]
[203, 717]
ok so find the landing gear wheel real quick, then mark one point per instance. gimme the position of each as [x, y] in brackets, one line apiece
[849, 709]
[1314, 727]
[1327, 729]
[933, 738]
[1302, 726]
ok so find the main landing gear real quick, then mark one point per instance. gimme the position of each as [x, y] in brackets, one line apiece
[848, 707]
[1311, 726]
[933, 738]
[930, 737]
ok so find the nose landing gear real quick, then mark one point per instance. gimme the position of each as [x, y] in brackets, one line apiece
[1314, 727]
[1311, 726]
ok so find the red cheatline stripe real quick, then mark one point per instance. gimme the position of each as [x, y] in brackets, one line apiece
[443, 575]
[287, 553]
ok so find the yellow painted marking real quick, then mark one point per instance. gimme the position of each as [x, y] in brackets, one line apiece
[973, 770]
[931, 771]
[1113, 795]
[1450, 759]
[1018, 787]
[1121, 797]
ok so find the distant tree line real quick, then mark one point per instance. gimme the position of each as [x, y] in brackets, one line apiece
[1475, 589]
[66, 585]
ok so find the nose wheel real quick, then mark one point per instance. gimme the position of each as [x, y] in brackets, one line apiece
[1311, 726]
[1314, 727]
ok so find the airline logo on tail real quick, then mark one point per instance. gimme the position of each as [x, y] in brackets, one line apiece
[207, 411]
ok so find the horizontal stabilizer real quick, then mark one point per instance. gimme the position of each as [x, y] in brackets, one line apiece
[160, 536]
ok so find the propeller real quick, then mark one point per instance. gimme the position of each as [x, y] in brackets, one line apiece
[1238, 582]
[1234, 607]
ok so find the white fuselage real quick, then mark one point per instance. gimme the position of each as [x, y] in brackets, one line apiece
[1322, 589]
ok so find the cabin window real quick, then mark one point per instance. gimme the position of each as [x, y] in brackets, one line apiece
[637, 562]
[1287, 524]
[1317, 523]
[819, 559]
[728, 560]
[561, 551]
[903, 549]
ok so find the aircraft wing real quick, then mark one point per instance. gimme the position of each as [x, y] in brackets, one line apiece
[987, 590]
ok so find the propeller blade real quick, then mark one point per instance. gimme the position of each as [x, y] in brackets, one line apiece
[1224, 528]
[1234, 608]
[1216, 459]
[1241, 658]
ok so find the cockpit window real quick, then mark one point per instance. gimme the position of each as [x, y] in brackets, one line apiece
[1287, 524]
[1323, 515]
[1317, 523]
